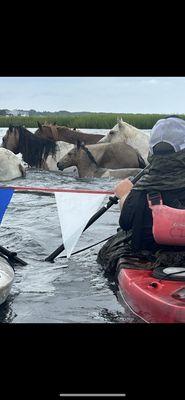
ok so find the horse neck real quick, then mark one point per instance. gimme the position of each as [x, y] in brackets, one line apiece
[66, 135]
[128, 133]
[54, 132]
[132, 131]
[85, 166]
[137, 139]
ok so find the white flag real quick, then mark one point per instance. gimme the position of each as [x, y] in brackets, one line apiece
[74, 210]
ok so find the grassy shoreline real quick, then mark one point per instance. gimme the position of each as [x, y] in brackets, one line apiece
[92, 120]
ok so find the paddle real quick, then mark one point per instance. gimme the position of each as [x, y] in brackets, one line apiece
[112, 200]
[12, 256]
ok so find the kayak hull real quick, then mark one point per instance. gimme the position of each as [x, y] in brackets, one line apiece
[6, 279]
[153, 300]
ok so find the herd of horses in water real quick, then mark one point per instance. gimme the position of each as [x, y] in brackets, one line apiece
[120, 153]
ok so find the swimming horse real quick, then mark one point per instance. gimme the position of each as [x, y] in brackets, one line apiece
[63, 133]
[36, 151]
[116, 160]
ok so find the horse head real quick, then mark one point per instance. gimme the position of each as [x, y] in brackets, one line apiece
[113, 134]
[10, 140]
[121, 132]
[34, 149]
[47, 131]
[69, 160]
[74, 156]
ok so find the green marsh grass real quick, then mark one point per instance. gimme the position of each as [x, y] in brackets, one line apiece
[91, 120]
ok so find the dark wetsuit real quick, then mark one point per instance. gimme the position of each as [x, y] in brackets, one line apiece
[137, 216]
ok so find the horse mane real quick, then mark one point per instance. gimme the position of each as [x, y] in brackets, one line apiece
[34, 149]
[89, 154]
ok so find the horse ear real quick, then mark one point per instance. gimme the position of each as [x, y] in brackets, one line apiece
[120, 122]
[78, 144]
[39, 125]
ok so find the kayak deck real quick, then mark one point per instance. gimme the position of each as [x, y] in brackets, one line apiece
[152, 299]
[6, 279]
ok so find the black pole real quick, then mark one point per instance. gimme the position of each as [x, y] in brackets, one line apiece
[12, 256]
[112, 200]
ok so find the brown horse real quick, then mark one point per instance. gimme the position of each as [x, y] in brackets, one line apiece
[36, 151]
[103, 160]
[62, 133]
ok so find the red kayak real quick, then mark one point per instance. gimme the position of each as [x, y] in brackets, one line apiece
[153, 300]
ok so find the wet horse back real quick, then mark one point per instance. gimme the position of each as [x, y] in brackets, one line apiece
[119, 155]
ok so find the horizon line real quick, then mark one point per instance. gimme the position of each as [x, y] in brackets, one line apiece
[92, 112]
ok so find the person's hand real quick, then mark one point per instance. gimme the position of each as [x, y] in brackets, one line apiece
[123, 188]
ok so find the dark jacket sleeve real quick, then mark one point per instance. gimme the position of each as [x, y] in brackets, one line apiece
[128, 211]
[137, 216]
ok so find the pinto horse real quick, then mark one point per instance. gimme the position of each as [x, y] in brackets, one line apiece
[36, 151]
[62, 133]
[117, 160]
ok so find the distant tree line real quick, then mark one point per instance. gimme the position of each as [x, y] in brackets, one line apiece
[3, 112]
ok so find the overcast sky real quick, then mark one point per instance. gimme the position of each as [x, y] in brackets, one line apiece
[95, 94]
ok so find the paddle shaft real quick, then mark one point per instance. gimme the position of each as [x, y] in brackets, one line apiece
[112, 200]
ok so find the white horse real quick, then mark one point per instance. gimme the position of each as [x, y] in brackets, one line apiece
[10, 166]
[130, 135]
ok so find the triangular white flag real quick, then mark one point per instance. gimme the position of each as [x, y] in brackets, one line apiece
[74, 210]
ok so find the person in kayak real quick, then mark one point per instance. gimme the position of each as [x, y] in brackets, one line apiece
[165, 175]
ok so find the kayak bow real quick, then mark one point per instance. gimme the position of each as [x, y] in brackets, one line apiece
[6, 279]
[153, 300]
